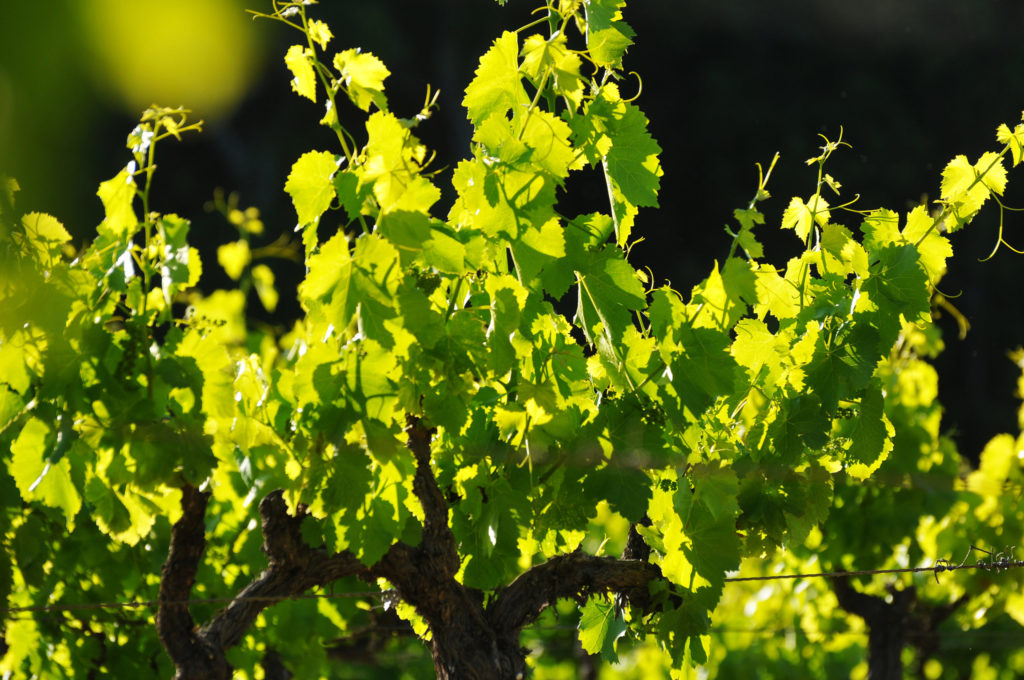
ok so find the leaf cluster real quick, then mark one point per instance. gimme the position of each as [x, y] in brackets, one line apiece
[720, 422]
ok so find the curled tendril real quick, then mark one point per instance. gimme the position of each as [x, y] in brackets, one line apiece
[999, 561]
[1000, 241]
[639, 89]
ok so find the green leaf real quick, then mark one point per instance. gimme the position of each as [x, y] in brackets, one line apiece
[608, 290]
[310, 186]
[117, 195]
[539, 248]
[747, 219]
[801, 423]
[627, 490]
[297, 59]
[38, 477]
[234, 257]
[362, 75]
[406, 230]
[871, 436]
[46, 234]
[633, 159]
[716, 488]
[13, 370]
[935, 249]
[496, 88]
[881, 230]
[393, 158]
[842, 253]
[680, 631]
[548, 139]
[898, 284]
[607, 35]
[801, 217]
[600, 628]
[705, 364]
[445, 253]
[840, 369]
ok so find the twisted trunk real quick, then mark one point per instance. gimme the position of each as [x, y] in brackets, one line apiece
[468, 640]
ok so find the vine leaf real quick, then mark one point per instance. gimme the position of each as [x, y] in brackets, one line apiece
[40, 478]
[935, 249]
[362, 74]
[801, 217]
[497, 87]
[117, 195]
[1015, 139]
[607, 35]
[966, 187]
[633, 159]
[600, 628]
[304, 80]
[310, 186]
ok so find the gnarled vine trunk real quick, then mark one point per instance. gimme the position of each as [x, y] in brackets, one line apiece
[469, 641]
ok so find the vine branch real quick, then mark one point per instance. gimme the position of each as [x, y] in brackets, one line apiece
[577, 576]
[294, 567]
[193, 656]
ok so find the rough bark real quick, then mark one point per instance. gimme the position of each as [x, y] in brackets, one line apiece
[463, 643]
[274, 668]
[905, 620]
[576, 575]
[194, 658]
[887, 626]
[469, 641]
[294, 567]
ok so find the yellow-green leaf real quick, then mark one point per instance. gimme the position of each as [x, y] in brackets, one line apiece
[310, 186]
[304, 80]
[41, 479]
[1015, 139]
[320, 32]
[497, 87]
[45, 231]
[393, 156]
[263, 279]
[362, 76]
[800, 216]
[935, 249]
[966, 187]
[117, 195]
[234, 257]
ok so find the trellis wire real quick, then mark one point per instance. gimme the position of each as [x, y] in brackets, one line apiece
[997, 562]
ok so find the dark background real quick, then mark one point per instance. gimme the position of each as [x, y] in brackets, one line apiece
[725, 84]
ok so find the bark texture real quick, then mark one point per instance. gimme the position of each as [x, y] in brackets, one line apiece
[294, 567]
[904, 620]
[887, 626]
[470, 641]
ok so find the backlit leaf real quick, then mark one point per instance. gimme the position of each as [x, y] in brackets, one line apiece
[310, 186]
[496, 87]
[117, 195]
[600, 628]
[362, 75]
[303, 78]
